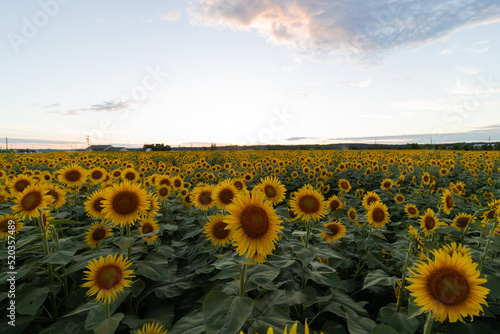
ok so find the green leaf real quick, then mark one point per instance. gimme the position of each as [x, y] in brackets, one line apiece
[109, 326]
[306, 297]
[398, 321]
[274, 318]
[281, 261]
[306, 255]
[191, 323]
[83, 308]
[226, 273]
[61, 256]
[378, 277]
[328, 253]
[383, 329]
[224, 313]
[359, 325]
[154, 270]
[123, 242]
[30, 299]
[413, 309]
[323, 274]
[262, 274]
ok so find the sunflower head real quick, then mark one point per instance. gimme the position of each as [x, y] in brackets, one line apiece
[72, 175]
[344, 185]
[9, 225]
[447, 201]
[411, 210]
[429, 223]
[152, 328]
[33, 199]
[369, 198]
[308, 204]
[273, 189]
[96, 234]
[124, 203]
[215, 230]
[461, 220]
[336, 231]
[334, 203]
[107, 277]
[224, 194]
[148, 226]
[449, 285]
[378, 215]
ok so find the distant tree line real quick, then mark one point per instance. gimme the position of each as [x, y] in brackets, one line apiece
[156, 147]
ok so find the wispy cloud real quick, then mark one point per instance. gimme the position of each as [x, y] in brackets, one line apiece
[468, 71]
[105, 106]
[480, 47]
[171, 15]
[300, 138]
[360, 84]
[354, 28]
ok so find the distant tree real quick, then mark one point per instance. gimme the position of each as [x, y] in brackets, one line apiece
[213, 147]
[156, 147]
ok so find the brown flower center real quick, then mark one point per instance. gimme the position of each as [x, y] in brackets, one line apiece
[378, 215]
[449, 201]
[430, 222]
[147, 228]
[219, 230]
[205, 197]
[412, 210]
[31, 200]
[334, 204]
[177, 183]
[462, 222]
[163, 192]
[96, 175]
[108, 276]
[370, 200]
[125, 202]
[334, 229]
[254, 221]
[21, 185]
[97, 204]
[73, 175]
[448, 286]
[226, 196]
[99, 234]
[270, 191]
[309, 204]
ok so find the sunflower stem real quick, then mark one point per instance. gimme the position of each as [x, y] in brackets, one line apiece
[243, 270]
[428, 323]
[403, 277]
[483, 257]
[130, 247]
[106, 310]
[308, 231]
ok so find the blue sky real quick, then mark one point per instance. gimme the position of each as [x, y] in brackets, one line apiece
[245, 72]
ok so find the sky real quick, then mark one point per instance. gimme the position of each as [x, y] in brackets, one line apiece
[246, 72]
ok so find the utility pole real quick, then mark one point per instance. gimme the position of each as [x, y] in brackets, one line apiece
[6, 143]
[88, 141]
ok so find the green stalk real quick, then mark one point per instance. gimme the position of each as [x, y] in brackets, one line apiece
[483, 257]
[243, 270]
[403, 277]
[428, 323]
[130, 247]
[308, 231]
[50, 270]
[106, 310]
[468, 223]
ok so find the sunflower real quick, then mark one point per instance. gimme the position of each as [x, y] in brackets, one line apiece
[3, 196]
[130, 175]
[163, 180]
[151, 328]
[337, 231]
[96, 233]
[72, 175]
[96, 175]
[449, 285]
[399, 198]
[163, 191]
[19, 183]
[411, 210]
[454, 247]
[334, 203]
[429, 223]
[107, 277]
[369, 198]
[273, 189]
[224, 194]
[177, 182]
[461, 220]
[447, 201]
[255, 225]
[149, 226]
[93, 204]
[9, 226]
[378, 215]
[33, 199]
[344, 185]
[215, 230]
[352, 214]
[426, 178]
[124, 203]
[203, 197]
[154, 205]
[58, 196]
[386, 184]
[308, 203]
[419, 244]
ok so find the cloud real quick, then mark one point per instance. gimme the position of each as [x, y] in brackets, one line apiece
[360, 84]
[171, 15]
[480, 47]
[299, 138]
[477, 134]
[354, 28]
[108, 106]
[468, 71]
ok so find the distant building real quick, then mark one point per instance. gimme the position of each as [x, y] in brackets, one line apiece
[106, 148]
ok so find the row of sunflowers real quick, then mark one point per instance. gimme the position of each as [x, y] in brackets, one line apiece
[250, 242]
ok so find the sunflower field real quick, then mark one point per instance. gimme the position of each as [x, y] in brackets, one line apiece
[224, 242]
